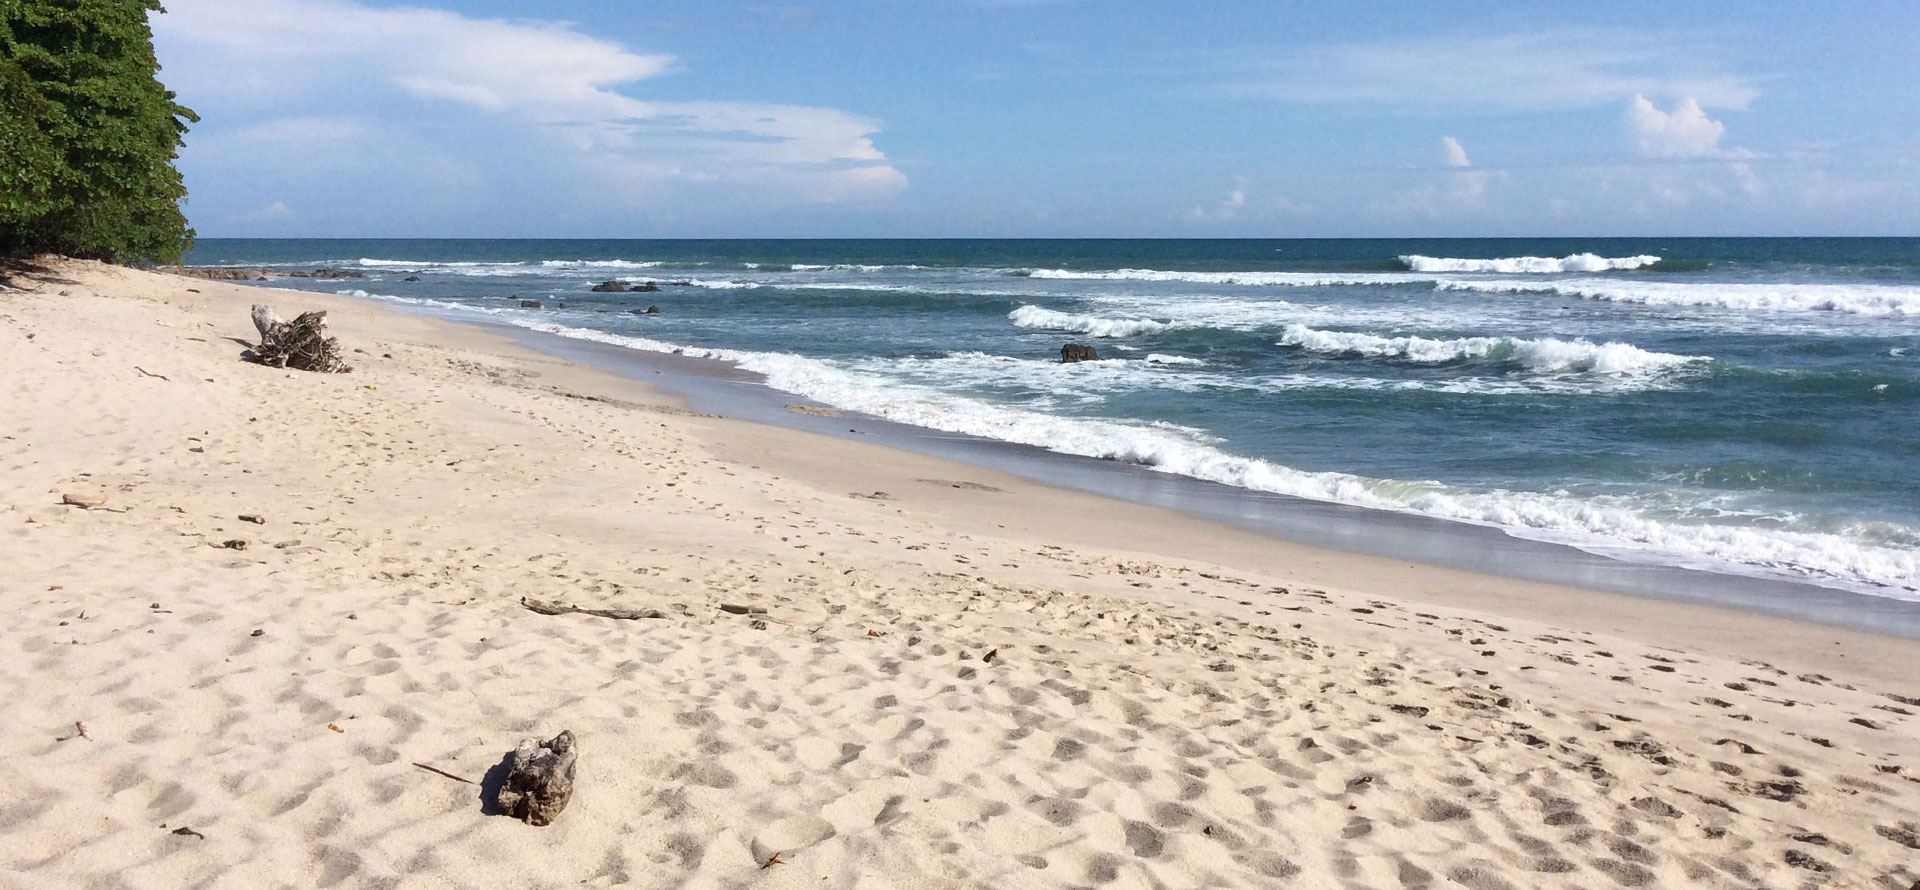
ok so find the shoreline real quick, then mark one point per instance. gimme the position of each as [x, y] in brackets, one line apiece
[972, 680]
[1542, 593]
[1788, 531]
[716, 385]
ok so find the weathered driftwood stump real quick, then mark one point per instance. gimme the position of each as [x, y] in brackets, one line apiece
[301, 344]
[539, 779]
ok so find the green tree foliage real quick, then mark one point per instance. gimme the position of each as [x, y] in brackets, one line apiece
[88, 134]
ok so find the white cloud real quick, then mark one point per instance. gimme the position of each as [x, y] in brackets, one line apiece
[1237, 205]
[1465, 186]
[1540, 71]
[1463, 190]
[505, 85]
[276, 211]
[1225, 209]
[1684, 132]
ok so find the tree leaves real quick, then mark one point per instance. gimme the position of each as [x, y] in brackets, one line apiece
[88, 134]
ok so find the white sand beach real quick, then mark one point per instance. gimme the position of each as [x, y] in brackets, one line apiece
[961, 679]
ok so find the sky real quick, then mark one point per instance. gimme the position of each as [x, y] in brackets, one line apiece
[1045, 118]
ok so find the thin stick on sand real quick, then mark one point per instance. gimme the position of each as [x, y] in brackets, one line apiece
[438, 771]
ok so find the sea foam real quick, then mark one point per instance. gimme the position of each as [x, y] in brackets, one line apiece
[1273, 279]
[1544, 355]
[1850, 299]
[1617, 527]
[1529, 265]
[1605, 528]
[1094, 325]
[601, 264]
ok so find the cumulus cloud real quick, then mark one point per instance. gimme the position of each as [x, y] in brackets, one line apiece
[1684, 132]
[1535, 71]
[543, 89]
[1226, 208]
[1687, 133]
[1237, 204]
[1463, 189]
[1466, 186]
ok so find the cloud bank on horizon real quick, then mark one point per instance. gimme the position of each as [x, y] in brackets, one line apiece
[363, 118]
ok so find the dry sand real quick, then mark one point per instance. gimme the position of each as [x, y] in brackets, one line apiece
[1168, 703]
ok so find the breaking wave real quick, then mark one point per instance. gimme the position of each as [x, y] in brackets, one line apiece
[1850, 299]
[601, 264]
[1528, 265]
[1544, 355]
[1619, 530]
[1275, 279]
[1048, 319]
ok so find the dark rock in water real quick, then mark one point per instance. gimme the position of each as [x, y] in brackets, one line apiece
[411, 278]
[261, 278]
[653, 310]
[1074, 352]
[680, 283]
[611, 286]
[326, 273]
[529, 304]
[539, 779]
[563, 305]
[647, 288]
[220, 273]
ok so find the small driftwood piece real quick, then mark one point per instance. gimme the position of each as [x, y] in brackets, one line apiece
[539, 779]
[301, 344]
[547, 608]
[438, 771]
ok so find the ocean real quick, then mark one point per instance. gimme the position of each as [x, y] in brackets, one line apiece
[1744, 406]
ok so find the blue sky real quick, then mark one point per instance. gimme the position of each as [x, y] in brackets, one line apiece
[1016, 118]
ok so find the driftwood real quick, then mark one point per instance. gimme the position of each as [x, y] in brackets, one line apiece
[438, 771]
[547, 608]
[301, 344]
[539, 779]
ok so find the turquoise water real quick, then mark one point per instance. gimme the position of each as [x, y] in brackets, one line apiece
[1741, 405]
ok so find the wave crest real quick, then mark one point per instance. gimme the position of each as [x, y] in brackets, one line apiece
[1849, 299]
[1544, 355]
[1093, 325]
[1167, 448]
[1273, 279]
[1527, 265]
[601, 264]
